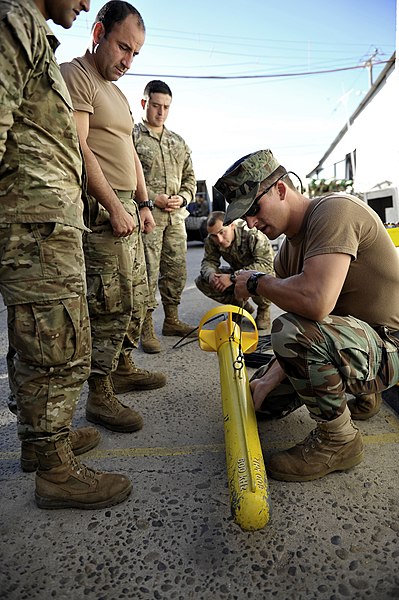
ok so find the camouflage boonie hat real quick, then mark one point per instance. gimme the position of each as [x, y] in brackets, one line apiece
[240, 184]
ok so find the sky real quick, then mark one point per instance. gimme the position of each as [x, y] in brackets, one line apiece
[240, 72]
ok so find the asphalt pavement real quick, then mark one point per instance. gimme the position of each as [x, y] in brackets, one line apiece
[332, 539]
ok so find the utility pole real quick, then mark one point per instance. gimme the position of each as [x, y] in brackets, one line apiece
[369, 64]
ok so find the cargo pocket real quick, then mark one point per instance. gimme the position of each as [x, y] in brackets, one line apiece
[44, 334]
[103, 288]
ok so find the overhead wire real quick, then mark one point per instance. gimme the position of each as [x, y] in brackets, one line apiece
[257, 76]
[265, 44]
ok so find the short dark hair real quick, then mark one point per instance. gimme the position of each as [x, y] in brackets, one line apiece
[216, 215]
[156, 86]
[116, 11]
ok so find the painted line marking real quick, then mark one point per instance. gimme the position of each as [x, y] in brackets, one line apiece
[382, 439]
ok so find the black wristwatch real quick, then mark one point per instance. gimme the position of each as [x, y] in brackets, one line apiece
[252, 282]
[147, 204]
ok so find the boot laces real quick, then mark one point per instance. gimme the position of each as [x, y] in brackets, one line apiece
[80, 469]
[312, 440]
[136, 369]
[109, 394]
[148, 328]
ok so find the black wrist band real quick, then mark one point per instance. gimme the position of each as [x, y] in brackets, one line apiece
[146, 204]
[252, 282]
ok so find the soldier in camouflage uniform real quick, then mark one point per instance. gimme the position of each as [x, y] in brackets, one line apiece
[339, 334]
[117, 286]
[171, 185]
[42, 278]
[241, 248]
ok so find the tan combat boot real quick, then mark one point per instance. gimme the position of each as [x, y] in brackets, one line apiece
[333, 446]
[173, 326]
[365, 406]
[82, 440]
[149, 341]
[104, 408]
[129, 378]
[63, 482]
[263, 318]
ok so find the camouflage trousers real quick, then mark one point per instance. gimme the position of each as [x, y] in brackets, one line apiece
[165, 254]
[117, 290]
[226, 297]
[43, 286]
[325, 360]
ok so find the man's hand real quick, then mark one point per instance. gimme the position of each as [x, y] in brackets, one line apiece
[261, 387]
[161, 201]
[174, 202]
[122, 222]
[220, 281]
[147, 220]
[240, 288]
[168, 203]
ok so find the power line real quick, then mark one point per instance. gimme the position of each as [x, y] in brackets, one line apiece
[263, 76]
[213, 38]
[205, 39]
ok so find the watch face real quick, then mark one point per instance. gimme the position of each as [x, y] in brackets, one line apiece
[252, 282]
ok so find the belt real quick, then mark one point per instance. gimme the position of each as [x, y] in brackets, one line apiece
[125, 193]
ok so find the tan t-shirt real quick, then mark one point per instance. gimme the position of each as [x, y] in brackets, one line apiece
[340, 223]
[111, 122]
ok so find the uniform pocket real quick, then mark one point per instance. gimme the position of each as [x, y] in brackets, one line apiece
[103, 287]
[45, 334]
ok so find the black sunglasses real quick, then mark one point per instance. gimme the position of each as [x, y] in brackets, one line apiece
[254, 208]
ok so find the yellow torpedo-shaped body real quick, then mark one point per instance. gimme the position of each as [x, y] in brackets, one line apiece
[245, 466]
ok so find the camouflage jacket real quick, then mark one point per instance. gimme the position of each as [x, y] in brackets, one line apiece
[167, 164]
[250, 250]
[40, 162]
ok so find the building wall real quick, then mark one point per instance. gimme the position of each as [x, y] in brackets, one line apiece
[377, 140]
[375, 136]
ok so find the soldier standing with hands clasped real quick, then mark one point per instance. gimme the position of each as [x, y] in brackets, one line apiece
[171, 185]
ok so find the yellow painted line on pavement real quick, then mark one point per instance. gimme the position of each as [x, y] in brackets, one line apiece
[173, 451]
[137, 452]
[382, 439]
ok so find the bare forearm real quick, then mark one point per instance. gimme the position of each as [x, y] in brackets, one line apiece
[290, 294]
[312, 293]
[262, 387]
[98, 185]
[141, 189]
[122, 222]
